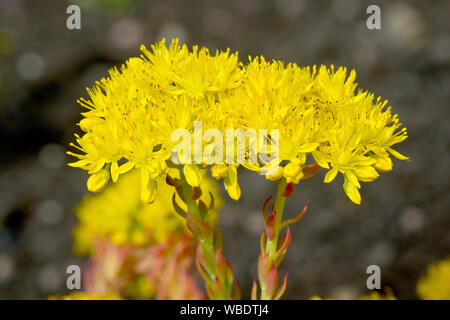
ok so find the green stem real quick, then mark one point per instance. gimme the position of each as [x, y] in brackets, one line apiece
[191, 204]
[208, 249]
[280, 201]
[271, 245]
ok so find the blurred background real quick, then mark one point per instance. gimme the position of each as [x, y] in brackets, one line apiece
[404, 220]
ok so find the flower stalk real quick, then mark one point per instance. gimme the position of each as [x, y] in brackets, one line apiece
[210, 261]
[273, 249]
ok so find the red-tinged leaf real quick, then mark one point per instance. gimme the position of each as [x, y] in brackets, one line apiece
[218, 286]
[202, 208]
[270, 225]
[211, 205]
[230, 273]
[297, 218]
[263, 242]
[203, 273]
[279, 293]
[218, 238]
[210, 291]
[272, 281]
[310, 170]
[191, 223]
[254, 290]
[284, 243]
[170, 181]
[288, 190]
[220, 260]
[180, 192]
[263, 267]
[177, 208]
[264, 208]
[197, 193]
[199, 255]
[237, 295]
[206, 231]
[199, 229]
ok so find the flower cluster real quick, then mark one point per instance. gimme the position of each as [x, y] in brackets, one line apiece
[318, 112]
[132, 114]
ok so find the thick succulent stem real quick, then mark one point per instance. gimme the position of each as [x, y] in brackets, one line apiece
[273, 249]
[212, 265]
[280, 201]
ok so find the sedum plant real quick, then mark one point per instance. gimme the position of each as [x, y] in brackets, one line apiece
[310, 118]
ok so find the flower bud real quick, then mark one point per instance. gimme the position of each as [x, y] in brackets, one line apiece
[192, 174]
[219, 171]
[98, 180]
[293, 171]
[148, 191]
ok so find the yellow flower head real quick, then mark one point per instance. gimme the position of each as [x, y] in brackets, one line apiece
[319, 113]
[435, 284]
[132, 113]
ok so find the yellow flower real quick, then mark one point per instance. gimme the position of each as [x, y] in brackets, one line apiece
[119, 214]
[435, 284]
[316, 297]
[193, 174]
[98, 180]
[231, 183]
[132, 113]
[79, 295]
[219, 171]
[375, 295]
[363, 132]
[319, 113]
[293, 171]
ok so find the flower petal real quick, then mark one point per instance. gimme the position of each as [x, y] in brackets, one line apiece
[397, 154]
[352, 192]
[331, 174]
[98, 181]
